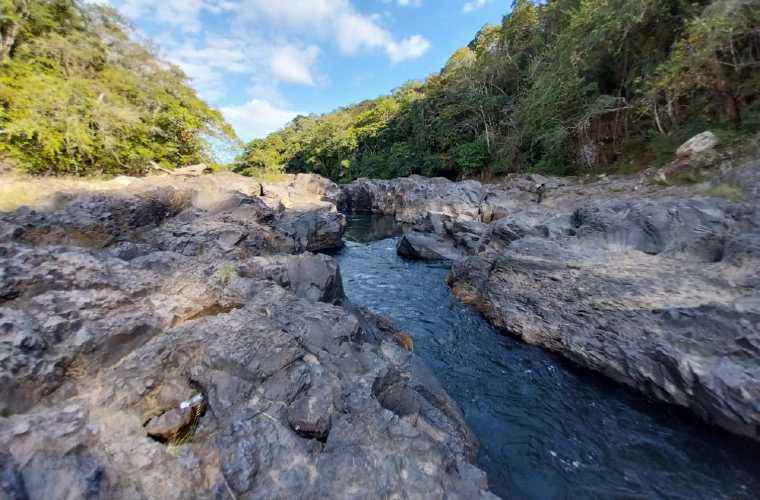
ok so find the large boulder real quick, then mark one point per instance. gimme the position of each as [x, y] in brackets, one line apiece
[413, 199]
[304, 190]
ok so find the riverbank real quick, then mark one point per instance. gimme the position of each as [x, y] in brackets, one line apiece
[547, 429]
[654, 285]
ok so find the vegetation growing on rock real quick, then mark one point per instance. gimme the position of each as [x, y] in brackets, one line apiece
[559, 87]
[78, 96]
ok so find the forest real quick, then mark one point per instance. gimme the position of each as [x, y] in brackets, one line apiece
[80, 96]
[559, 87]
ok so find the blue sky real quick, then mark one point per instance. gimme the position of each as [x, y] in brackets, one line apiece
[264, 61]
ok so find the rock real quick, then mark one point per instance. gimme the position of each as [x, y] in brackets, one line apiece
[176, 421]
[192, 170]
[311, 414]
[696, 228]
[426, 246]
[697, 145]
[645, 292]
[657, 288]
[304, 190]
[315, 277]
[412, 199]
[132, 321]
[11, 481]
[312, 230]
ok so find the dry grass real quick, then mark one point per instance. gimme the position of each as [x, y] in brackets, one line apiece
[18, 190]
[185, 435]
[405, 341]
[727, 191]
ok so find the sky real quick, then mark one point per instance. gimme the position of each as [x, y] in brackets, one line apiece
[263, 62]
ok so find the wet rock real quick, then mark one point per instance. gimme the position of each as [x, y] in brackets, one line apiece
[426, 246]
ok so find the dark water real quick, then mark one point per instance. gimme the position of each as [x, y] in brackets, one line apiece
[547, 430]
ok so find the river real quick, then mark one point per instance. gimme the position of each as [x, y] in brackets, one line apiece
[547, 429]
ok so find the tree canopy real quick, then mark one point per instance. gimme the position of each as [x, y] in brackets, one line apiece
[560, 86]
[79, 96]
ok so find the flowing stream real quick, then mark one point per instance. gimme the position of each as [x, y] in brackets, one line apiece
[547, 430]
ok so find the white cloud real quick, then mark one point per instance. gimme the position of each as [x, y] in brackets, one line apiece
[293, 65]
[355, 32]
[227, 44]
[274, 30]
[474, 5]
[409, 48]
[351, 29]
[208, 63]
[406, 3]
[182, 14]
[257, 118]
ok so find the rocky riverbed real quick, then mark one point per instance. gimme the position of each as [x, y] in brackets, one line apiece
[656, 287]
[175, 337]
[183, 338]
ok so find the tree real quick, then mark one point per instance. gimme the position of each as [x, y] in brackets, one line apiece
[561, 86]
[720, 53]
[70, 103]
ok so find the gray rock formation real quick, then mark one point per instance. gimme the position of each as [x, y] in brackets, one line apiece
[181, 341]
[658, 288]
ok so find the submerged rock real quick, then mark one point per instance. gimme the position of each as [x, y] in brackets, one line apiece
[162, 343]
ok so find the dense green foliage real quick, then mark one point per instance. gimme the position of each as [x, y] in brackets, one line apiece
[561, 86]
[77, 96]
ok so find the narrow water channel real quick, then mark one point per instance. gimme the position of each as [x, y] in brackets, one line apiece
[547, 430]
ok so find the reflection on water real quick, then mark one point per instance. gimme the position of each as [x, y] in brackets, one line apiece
[546, 429]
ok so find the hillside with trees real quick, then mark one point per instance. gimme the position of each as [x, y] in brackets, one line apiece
[79, 96]
[560, 87]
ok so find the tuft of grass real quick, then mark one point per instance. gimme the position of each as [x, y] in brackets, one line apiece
[729, 192]
[405, 341]
[18, 190]
[227, 272]
[185, 435]
[271, 177]
[14, 195]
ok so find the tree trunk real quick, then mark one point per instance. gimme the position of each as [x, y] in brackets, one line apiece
[8, 40]
[731, 106]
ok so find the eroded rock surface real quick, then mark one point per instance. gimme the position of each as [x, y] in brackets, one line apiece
[183, 341]
[658, 288]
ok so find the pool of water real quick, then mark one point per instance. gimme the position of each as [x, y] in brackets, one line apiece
[547, 430]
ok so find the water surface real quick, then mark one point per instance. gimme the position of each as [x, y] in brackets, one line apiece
[547, 430]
